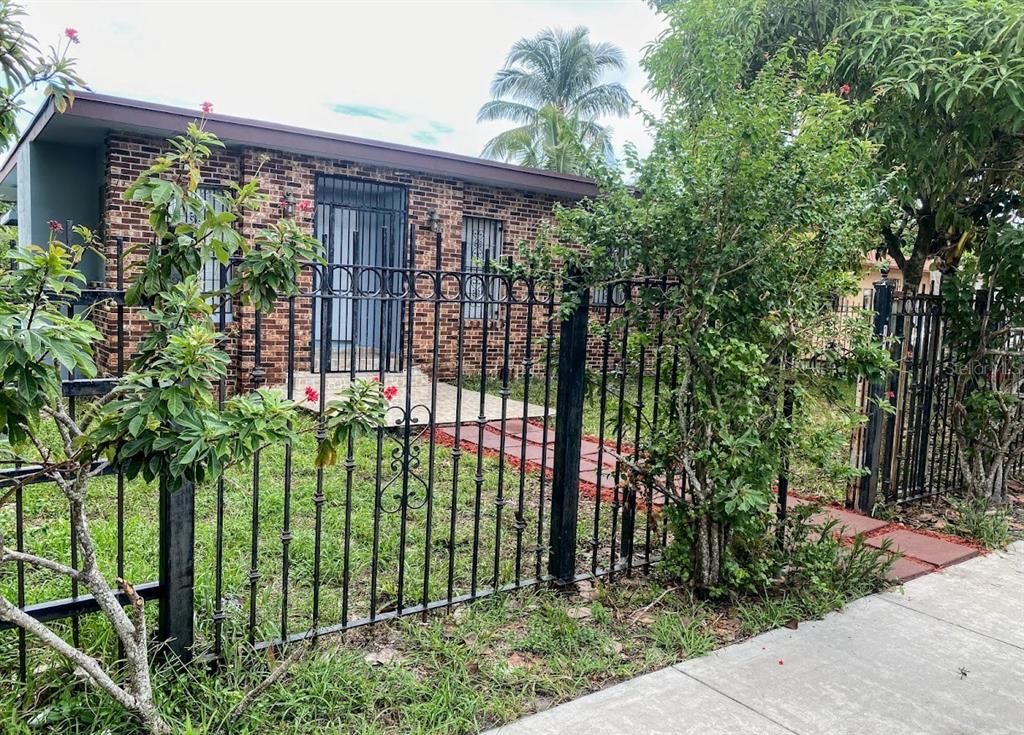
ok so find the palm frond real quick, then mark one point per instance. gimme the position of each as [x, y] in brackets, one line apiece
[604, 99]
[507, 145]
[505, 110]
[521, 86]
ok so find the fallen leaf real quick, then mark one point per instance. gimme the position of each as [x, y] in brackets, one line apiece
[578, 613]
[515, 661]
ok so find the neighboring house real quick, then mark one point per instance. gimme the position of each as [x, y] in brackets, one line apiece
[930, 278]
[76, 166]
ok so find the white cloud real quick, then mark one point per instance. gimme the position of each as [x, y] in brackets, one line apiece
[426, 66]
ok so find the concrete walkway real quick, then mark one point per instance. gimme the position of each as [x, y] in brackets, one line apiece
[448, 397]
[942, 655]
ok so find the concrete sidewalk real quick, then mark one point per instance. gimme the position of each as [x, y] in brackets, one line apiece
[942, 655]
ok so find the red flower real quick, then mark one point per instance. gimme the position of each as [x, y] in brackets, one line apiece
[311, 395]
[390, 392]
[780, 662]
[207, 108]
[375, 379]
[55, 226]
[845, 90]
[71, 33]
[891, 394]
[305, 206]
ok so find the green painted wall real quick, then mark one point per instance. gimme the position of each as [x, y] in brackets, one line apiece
[65, 183]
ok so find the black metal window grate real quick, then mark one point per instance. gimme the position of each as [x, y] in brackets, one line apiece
[214, 276]
[362, 225]
[481, 245]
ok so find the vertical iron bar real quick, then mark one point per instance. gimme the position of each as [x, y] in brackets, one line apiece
[629, 494]
[527, 368]
[257, 376]
[499, 503]
[433, 423]
[457, 445]
[480, 423]
[602, 416]
[627, 287]
[19, 543]
[673, 415]
[407, 433]
[549, 340]
[386, 283]
[75, 623]
[321, 434]
[286, 523]
[350, 461]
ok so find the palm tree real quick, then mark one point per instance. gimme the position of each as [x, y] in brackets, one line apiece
[551, 86]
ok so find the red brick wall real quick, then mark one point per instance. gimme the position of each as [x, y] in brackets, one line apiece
[281, 174]
[127, 156]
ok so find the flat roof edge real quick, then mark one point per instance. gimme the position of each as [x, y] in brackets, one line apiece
[116, 111]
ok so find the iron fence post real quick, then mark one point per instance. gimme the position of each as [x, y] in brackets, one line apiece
[876, 428]
[782, 503]
[177, 567]
[565, 484]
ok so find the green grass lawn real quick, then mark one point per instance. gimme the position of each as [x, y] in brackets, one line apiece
[460, 671]
[475, 523]
[486, 664]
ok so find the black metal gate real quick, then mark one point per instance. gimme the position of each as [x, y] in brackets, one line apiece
[907, 444]
[362, 226]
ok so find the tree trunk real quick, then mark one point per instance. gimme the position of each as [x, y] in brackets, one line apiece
[926, 243]
[913, 271]
[708, 554]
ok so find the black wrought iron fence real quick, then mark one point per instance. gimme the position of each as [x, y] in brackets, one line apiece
[491, 472]
[503, 461]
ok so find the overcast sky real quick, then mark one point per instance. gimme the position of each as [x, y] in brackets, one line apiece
[408, 72]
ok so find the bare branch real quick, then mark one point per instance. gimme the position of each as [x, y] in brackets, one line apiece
[10, 555]
[250, 696]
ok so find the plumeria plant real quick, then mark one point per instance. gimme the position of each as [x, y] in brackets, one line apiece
[26, 67]
[161, 421]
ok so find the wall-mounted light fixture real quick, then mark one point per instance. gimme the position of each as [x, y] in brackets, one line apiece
[433, 220]
[287, 204]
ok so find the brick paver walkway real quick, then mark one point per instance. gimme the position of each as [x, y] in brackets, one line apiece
[922, 551]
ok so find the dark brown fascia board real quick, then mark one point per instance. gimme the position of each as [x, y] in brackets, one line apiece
[115, 111]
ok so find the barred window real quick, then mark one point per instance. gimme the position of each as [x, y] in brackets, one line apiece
[481, 244]
[214, 276]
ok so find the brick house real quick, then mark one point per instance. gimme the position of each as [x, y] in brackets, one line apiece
[372, 199]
